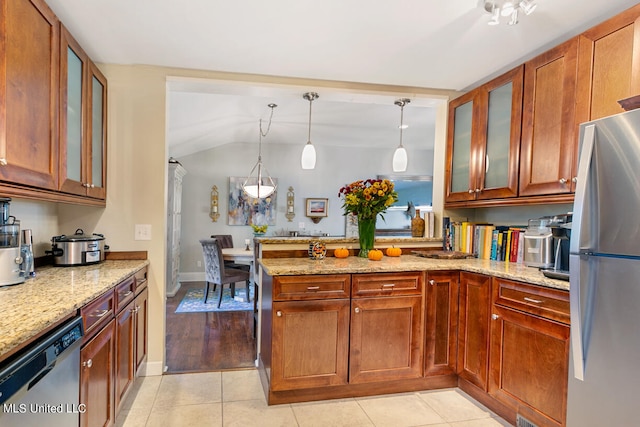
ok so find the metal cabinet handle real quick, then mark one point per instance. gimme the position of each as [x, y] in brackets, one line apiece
[3, 161]
[88, 363]
[574, 179]
[357, 310]
[279, 313]
[478, 190]
[313, 288]
[562, 180]
[471, 191]
[126, 294]
[432, 282]
[535, 301]
[99, 313]
[389, 285]
[495, 316]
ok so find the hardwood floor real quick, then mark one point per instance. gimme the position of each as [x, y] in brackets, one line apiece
[214, 341]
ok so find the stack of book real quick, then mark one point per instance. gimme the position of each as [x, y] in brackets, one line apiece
[485, 241]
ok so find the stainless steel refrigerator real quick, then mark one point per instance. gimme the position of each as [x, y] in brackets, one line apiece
[604, 374]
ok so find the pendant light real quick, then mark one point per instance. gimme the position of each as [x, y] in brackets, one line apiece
[308, 159]
[260, 187]
[400, 156]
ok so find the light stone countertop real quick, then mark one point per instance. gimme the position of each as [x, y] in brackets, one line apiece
[272, 240]
[353, 264]
[28, 308]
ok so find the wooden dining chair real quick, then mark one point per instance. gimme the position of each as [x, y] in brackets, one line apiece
[217, 274]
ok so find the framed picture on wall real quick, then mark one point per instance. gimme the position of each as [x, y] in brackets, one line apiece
[317, 208]
[245, 210]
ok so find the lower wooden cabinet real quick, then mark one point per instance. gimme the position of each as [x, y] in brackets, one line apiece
[530, 351]
[473, 332]
[125, 352]
[441, 322]
[310, 344]
[97, 378]
[141, 314]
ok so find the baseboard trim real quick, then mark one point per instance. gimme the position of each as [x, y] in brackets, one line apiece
[151, 369]
[194, 276]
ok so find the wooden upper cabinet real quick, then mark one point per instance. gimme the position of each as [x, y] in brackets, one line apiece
[82, 122]
[609, 63]
[28, 94]
[483, 141]
[549, 129]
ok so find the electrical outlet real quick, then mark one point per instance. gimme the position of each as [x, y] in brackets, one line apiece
[198, 263]
[142, 232]
[301, 225]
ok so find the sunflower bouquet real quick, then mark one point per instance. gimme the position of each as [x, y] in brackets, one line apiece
[368, 198]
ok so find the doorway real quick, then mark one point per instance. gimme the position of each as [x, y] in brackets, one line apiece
[209, 341]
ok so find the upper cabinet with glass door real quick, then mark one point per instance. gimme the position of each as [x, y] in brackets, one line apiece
[83, 91]
[484, 141]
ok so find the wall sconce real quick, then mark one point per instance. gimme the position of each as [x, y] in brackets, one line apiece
[290, 199]
[214, 214]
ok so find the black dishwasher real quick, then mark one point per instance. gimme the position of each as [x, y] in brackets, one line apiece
[41, 385]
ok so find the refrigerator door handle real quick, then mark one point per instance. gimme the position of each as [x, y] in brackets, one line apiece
[576, 317]
[586, 154]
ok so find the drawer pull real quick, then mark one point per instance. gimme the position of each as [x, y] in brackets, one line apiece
[3, 162]
[357, 310]
[313, 288]
[99, 313]
[535, 301]
[88, 363]
[388, 285]
[432, 282]
[126, 294]
[279, 313]
[495, 316]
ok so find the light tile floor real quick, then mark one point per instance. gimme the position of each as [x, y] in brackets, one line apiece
[235, 398]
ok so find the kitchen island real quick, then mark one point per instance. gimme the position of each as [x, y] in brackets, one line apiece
[55, 294]
[336, 328]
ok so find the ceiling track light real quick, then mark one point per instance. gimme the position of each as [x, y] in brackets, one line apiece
[260, 187]
[308, 159]
[400, 155]
[510, 8]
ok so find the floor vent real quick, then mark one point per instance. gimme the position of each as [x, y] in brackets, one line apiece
[523, 422]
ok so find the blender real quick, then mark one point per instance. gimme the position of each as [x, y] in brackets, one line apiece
[14, 268]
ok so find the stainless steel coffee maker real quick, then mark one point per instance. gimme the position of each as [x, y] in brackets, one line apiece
[14, 267]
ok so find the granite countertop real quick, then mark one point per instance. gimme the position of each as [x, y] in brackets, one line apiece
[270, 240]
[352, 264]
[53, 294]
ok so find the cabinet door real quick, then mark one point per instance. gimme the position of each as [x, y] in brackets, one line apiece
[124, 366]
[498, 156]
[96, 379]
[310, 344]
[609, 63]
[460, 169]
[473, 329]
[96, 138]
[386, 339]
[29, 36]
[549, 138]
[441, 323]
[141, 327]
[529, 365]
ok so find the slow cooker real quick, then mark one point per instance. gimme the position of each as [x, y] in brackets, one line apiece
[77, 249]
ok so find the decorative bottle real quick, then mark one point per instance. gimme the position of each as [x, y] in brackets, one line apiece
[417, 225]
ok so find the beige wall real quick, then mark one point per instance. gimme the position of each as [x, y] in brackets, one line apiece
[137, 159]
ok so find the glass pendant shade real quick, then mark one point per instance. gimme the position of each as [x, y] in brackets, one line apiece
[308, 159]
[400, 160]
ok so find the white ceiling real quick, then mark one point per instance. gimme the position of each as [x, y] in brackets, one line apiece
[442, 44]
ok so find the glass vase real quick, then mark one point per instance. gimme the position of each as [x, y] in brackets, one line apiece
[366, 235]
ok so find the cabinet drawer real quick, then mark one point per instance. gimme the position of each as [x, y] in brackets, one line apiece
[97, 313]
[141, 279]
[372, 285]
[125, 292]
[552, 304]
[287, 288]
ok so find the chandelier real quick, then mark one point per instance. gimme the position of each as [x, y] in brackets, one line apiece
[260, 187]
